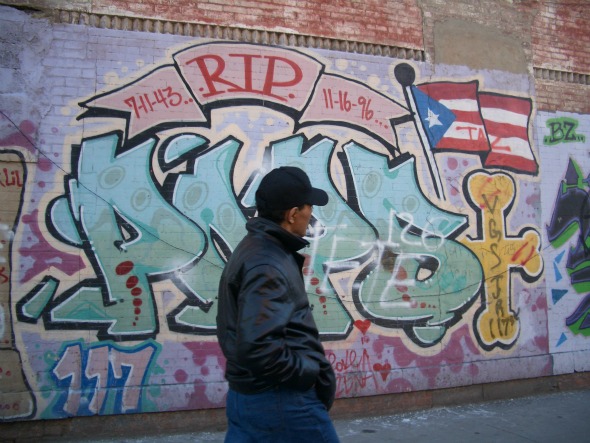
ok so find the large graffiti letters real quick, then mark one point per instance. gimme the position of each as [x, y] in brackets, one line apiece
[416, 277]
[93, 377]
[206, 197]
[114, 211]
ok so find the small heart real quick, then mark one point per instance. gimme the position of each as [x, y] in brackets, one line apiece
[382, 369]
[363, 325]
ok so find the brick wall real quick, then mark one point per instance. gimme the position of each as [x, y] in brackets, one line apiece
[557, 96]
[552, 35]
[560, 36]
[561, 42]
[372, 21]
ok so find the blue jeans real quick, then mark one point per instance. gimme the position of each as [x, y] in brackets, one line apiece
[279, 415]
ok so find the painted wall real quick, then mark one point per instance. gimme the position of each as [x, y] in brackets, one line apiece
[454, 249]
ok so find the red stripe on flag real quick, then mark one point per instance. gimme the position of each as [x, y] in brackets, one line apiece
[519, 157]
[468, 117]
[505, 130]
[513, 162]
[463, 145]
[513, 104]
[450, 90]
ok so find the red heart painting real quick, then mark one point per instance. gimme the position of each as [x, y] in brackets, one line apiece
[383, 369]
[363, 325]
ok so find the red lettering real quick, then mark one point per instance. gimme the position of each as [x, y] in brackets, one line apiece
[469, 129]
[213, 67]
[496, 147]
[269, 81]
[11, 178]
[247, 70]
[215, 77]
[480, 134]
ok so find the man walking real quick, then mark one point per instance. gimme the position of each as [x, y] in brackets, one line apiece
[281, 385]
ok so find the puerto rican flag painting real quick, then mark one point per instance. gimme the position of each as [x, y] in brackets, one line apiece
[451, 116]
[458, 117]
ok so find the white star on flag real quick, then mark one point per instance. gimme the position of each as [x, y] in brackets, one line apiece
[432, 119]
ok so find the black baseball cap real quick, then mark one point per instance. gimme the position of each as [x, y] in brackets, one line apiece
[287, 187]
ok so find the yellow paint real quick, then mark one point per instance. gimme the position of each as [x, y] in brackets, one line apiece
[498, 253]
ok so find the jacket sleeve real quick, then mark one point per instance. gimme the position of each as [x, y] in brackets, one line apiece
[326, 385]
[264, 311]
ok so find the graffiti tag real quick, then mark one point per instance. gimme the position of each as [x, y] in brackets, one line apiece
[562, 130]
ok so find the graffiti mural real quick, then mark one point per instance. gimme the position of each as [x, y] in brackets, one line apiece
[567, 232]
[135, 231]
[571, 217]
[17, 401]
[425, 265]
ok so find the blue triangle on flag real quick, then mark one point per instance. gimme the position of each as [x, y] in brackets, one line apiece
[436, 118]
[562, 339]
[556, 294]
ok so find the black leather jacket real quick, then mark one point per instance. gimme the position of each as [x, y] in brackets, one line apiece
[265, 325]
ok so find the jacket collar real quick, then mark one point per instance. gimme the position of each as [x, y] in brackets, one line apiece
[291, 241]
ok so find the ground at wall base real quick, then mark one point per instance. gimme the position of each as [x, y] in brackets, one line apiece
[211, 420]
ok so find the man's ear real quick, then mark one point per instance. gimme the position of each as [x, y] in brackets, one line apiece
[290, 214]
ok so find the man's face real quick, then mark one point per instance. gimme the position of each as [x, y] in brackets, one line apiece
[301, 219]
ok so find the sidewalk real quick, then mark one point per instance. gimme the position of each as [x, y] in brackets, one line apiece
[543, 418]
